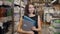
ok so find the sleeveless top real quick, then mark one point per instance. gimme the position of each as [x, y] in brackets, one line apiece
[35, 18]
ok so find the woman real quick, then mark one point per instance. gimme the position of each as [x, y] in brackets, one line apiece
[30, 12]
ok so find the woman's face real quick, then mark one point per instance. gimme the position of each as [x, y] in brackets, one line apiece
[31, 9]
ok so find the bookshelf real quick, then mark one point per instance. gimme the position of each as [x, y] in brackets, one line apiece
[18, 12]
[54, 28]
[6, 15]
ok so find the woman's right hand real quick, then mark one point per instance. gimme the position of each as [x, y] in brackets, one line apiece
[29, 32]
[26, 32]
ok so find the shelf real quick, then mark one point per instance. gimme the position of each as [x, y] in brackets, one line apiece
[7, 3]
[5, 19]
[54, 27]
[16, 9]
[22, 4]
[17, 2]
[9, 0]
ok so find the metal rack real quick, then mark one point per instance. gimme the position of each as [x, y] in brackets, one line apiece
[8, 18]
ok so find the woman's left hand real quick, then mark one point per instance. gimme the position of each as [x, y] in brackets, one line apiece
[39, 29]
[36, 29]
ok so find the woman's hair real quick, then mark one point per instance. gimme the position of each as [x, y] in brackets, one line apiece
[26, 9]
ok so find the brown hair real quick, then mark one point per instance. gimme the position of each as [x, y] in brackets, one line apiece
[26, 9]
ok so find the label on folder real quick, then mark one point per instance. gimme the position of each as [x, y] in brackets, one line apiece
[29, 19]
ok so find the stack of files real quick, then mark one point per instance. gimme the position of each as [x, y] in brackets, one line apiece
[16, 9]
[56, 23]
[22, 4]
[9, 18]
[17, 2]
[55, 26]
[53, 30]
[9, 11]
[8, 2]
[16, 17]
[27, 23]
[2, 12]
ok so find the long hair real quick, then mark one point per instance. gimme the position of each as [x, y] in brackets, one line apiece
[26, 9]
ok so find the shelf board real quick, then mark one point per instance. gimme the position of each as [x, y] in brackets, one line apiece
[5, 19]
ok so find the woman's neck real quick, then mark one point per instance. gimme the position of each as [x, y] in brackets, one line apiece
[31, 15]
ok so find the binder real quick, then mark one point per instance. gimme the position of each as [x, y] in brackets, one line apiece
[27, 23]
[29, 19]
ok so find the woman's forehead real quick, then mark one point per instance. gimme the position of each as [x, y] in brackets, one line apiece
[31, 5]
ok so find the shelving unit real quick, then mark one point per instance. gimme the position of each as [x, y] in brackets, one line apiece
[55, 26]
[6, 16]
[48, 11]
[18, 12]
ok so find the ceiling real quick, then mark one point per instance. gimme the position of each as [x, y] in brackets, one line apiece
[40, 1]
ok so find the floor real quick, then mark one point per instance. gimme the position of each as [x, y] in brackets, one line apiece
[44, 29]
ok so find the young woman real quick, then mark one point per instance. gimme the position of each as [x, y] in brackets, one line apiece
[30, 12]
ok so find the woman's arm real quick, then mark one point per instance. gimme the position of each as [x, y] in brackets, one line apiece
[19, 26]
[39, 23]
[20, 30]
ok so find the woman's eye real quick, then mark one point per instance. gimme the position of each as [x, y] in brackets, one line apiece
[31, 7]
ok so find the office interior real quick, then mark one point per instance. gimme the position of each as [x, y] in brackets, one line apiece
[12, 10]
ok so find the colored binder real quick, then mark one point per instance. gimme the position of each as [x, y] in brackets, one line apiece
[28, 23]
